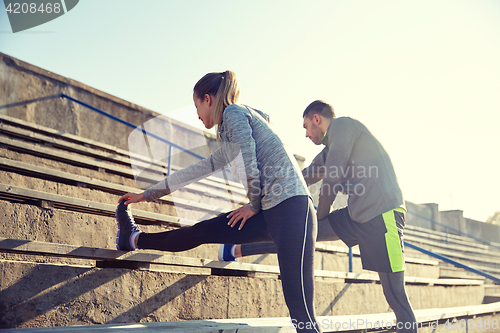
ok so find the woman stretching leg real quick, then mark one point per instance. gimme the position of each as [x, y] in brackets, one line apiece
[280, 209]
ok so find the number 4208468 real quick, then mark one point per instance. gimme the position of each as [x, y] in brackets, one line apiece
[472, 323]
[25, 8]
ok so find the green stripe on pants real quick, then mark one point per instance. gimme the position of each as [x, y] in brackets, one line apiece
[392, 241]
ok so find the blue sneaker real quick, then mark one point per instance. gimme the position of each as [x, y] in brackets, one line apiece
[225, 252]
[127, 229]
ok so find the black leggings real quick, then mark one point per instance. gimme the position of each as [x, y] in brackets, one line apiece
[393, 284]
[291, 225]
[325, 233]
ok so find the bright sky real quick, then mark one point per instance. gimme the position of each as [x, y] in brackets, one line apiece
[424, 76]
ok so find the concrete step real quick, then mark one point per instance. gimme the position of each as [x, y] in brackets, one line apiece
[94, 159]
[450, 236]
[146, 178]
[492, 289]
[32, 223]
[452, 272]
[96, 150]
[327, 258]
[491, 294]
[434, 319]
[475, 265]
[59, 171]
[58, 182]
[451, 241]
[49, 200]
[460, 249]
[468, 259]
[71, 138]
[152, 286]
[146, 258]
[85, 147]
[324, 259]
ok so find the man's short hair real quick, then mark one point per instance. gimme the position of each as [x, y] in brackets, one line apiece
[319, 107]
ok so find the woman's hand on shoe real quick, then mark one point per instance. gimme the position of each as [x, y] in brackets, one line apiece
[242, 213]
[132, 198]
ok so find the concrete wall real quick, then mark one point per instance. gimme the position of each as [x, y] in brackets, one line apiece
[429, 211]
[487, 231]
[30, 93]
[35, 295]
[452, 218]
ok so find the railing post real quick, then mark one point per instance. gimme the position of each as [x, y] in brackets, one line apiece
[169, 170]
[350, 260]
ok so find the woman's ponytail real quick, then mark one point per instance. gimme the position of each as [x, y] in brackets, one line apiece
[225, 90]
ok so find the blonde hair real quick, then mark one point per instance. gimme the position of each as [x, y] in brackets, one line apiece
[224, 88]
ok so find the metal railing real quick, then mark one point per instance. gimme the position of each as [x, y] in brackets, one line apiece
[170, 143]
[449, 260]
[453, 262]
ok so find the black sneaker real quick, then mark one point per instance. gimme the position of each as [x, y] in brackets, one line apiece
[127, 229]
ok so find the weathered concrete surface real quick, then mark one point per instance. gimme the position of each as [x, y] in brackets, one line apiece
[453, 218]
[29, 222]
[428, 210]
[98, 231]
[487, 231]
[31, 93]
[209, 196]
[21, 221]
[65, 167]
[41, 291]
[84, 233]
[33, 295]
